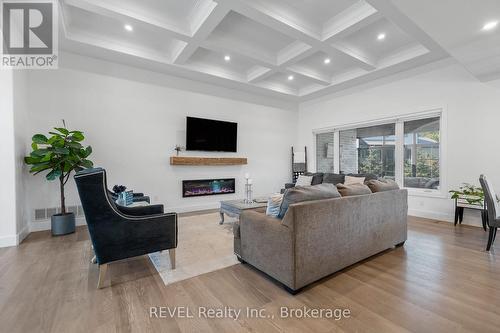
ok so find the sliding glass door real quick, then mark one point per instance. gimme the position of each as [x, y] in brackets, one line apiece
[421, 153]
[406, 149]
[368, 150]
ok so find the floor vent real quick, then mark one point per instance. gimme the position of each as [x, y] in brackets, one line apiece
[44, 214]
[40, 214]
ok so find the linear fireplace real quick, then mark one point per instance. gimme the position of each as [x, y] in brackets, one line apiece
[201, 187]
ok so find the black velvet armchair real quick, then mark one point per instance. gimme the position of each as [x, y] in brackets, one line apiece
[120, 232]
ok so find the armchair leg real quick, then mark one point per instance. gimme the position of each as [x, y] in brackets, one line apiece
[171, 253]
[102, 275]
[491, 238]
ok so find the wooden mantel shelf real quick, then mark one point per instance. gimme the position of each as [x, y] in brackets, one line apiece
[186, 160]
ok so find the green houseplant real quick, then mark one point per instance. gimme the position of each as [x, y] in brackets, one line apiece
[59, 154]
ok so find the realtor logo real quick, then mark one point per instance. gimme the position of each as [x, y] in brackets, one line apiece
[29, 34]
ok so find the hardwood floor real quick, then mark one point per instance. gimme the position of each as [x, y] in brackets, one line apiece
[442, 280]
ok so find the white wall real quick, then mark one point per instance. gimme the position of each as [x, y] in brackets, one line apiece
[8, 232]
[473, 117]
[133, 127]
[22, 141]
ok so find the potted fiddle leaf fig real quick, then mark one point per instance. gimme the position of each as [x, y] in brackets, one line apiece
[59, 154]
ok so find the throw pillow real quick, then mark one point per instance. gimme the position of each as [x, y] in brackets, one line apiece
[333, 178]
[381, 185]
[349, 180]
[317, 177]
[368, 176]
[353, 189]
[307, 193]
[274, 204]
[304, 180]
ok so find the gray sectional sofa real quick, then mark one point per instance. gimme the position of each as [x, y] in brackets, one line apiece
[317, 238]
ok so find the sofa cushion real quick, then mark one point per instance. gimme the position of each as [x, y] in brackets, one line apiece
[350, 180]
[353, 189]
[307, 193]
[317, 177]
[333, 178]
[368, 176]
[304, 180]
[382, 184]
[274, 205]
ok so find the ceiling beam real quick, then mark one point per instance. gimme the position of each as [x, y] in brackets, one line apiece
[293, 53]
[308, 38]
[350, 20]
[408, 52]
[255, 72]
[212, 19]
[302, 35]
[319, 78]
[363, 60]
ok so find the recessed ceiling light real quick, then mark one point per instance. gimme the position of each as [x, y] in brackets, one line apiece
[327, 61]
[490, 25]
[128, 27]
[227, 57]
[290, 77]
[381, 36]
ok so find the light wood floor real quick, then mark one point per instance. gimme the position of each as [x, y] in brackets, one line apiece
[442, 280]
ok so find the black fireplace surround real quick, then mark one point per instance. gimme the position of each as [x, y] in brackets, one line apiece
[202, 187]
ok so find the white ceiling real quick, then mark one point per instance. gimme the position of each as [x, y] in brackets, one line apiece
[270, 41]
[457, 26]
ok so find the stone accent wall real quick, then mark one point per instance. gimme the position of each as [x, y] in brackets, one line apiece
[324, 152]
[348, 151]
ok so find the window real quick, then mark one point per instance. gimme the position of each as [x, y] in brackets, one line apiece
[324, 152]
[405, 149]
[368, 150]
[421, 153]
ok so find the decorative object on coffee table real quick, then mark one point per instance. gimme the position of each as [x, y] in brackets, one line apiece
[59, 154]
[470, 197]
[234, 208]
[248, 189]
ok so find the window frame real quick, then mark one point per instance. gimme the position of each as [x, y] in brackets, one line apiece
[399, 121]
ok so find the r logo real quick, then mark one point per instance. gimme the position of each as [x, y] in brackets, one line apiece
[27, 27]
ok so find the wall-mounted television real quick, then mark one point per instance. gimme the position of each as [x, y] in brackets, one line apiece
[211, 135]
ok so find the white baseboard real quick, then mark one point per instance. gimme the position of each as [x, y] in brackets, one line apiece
[476, 222]
[431, 215]
[7, 241]
[14, 240]
[22, 234]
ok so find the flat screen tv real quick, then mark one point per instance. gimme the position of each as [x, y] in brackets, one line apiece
[211, 135]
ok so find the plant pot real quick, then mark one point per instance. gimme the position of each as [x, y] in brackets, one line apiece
[62, 224]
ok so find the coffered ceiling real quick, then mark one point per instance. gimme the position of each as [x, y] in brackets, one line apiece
[291, 49]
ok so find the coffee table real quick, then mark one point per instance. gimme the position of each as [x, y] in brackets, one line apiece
[234, 208]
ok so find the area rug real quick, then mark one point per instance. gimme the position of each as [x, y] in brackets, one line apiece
[203, 246]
